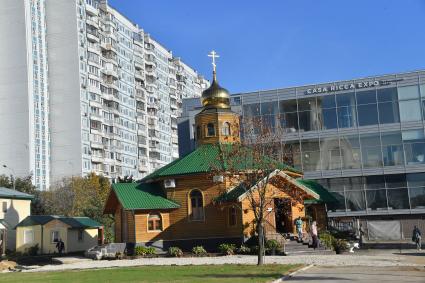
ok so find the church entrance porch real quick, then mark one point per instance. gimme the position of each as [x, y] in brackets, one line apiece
[283, 215]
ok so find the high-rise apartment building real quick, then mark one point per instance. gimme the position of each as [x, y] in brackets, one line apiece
[83, 89]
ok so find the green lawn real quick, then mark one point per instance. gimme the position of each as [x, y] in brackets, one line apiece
[191, 273]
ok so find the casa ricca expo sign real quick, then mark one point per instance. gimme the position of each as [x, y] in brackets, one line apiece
[349, 86]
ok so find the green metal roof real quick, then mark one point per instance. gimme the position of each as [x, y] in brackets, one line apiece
[324, 194]
[14, 194]
[74, 222]
[207, 157]
[142, 196]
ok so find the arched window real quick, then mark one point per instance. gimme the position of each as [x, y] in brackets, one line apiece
[196, 205]
[154, 222]
[232, 216]
[210, 130]
[225, 130]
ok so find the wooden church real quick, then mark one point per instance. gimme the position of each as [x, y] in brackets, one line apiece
[184, 204]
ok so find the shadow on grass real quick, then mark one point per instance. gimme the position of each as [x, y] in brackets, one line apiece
[316, 278]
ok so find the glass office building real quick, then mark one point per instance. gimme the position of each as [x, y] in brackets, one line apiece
[362, 139]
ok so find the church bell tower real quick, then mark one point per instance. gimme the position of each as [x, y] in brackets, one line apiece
[216, 123]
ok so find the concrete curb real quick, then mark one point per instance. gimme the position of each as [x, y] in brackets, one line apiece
[286, 277]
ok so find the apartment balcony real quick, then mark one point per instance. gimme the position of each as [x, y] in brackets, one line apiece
[97, 158]
[111, 83]
[140, 94]
[94, 89]
[110, 72]
[174, 140]
[143, 166]
[96, 103]
[91, 10]
[93, 35]
[97, 145]
[94, 21]
[139, 75]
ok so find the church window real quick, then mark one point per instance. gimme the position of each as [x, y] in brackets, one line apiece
[225, 130]
[154, 222]
[210, 130]
[232, 216]
[196, 205]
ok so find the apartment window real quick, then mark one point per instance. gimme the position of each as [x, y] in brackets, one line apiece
[55, 236]
[28, 236]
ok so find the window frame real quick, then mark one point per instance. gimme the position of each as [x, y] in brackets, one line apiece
[52, 237]
[232, 212]
[80, 235]
[207, 129]
[201, 208]
[25, 236]
[154, 217]
[225, 129]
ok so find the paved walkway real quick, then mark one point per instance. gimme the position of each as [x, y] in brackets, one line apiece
[376, 260]
[359, 274]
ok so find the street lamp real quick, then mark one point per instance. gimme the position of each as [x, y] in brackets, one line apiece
[13, 175]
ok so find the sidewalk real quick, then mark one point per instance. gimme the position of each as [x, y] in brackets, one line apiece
[387, 259]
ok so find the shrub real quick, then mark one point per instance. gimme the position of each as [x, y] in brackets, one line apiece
[144, 251]
[32, 251]
[272, 245]
[339, 245]
[175, 252]
[244, 250]
[119, 255]
[199, 251]
[326, 239]
[227, 249]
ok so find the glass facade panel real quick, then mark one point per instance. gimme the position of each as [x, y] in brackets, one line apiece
[292, 154]
[350, 151]
[422, 88]
[416, 180]
[288, 106]
[289, 122]
[310, 155]
[392, 149]
[398, 198]
[408, 92]
[355, 200]
[347, 117]
[376, 199]
[251, 110]
[269, 108]
[308, 121]
[340, 204]
[414, 146]
[327, 101]
[387, 94]
[366, 97]
[417, 198]
[410, 110]
[307, 104]
[388, 112]
[330, 153]
[329, 119]
[375, 182]
[368, 114]
[371, 151]
[396, 181]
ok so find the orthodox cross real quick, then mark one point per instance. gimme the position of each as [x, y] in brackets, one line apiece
[213, 55]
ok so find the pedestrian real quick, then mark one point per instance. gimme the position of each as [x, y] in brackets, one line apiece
[62, 246]
[361, 235]
[417, 237]
[58, 246]
[314, 235]
[299, 225]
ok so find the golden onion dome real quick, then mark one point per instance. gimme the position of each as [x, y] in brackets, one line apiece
[215, 96]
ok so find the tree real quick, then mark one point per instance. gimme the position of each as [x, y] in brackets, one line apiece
[81, 196]
[250, 165]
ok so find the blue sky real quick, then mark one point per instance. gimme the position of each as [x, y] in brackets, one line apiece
[279, 43]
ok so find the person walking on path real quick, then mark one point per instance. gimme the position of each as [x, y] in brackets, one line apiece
[417, 237]
[314, 235]
[299, 225]
[60, 245]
